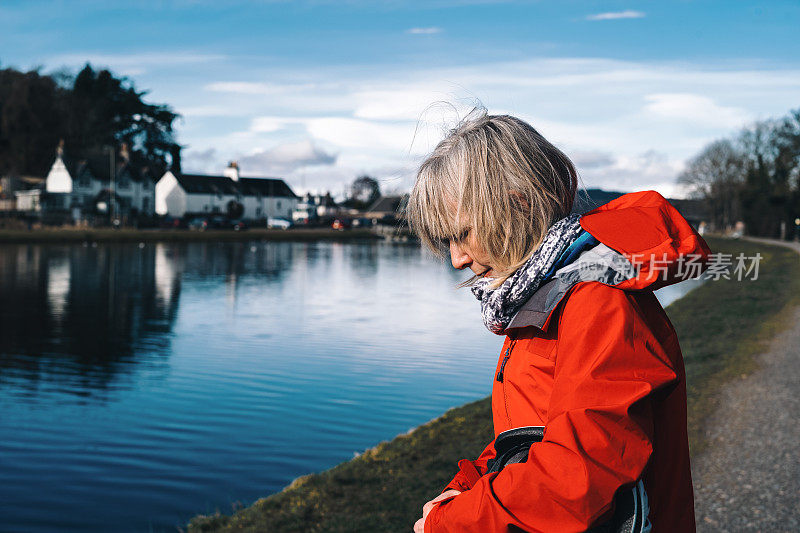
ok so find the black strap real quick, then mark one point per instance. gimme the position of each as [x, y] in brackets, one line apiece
[630, 507]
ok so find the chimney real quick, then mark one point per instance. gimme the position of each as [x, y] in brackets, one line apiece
[175, 158]
[124, 152]
[232, 171]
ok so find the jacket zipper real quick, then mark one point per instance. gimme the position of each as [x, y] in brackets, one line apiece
[500, 379]
[505, 360]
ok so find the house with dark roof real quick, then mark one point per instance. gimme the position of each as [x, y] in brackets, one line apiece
[179, 194]
[100, 183]
[388, 208]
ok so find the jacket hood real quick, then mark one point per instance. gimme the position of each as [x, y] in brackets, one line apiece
[638, 241]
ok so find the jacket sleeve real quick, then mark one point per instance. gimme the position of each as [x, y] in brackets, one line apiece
[462, 480]
[599, 428]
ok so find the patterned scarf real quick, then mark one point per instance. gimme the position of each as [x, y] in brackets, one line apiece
[499, 306]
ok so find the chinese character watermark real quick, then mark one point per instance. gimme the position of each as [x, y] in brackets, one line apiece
[617, 268]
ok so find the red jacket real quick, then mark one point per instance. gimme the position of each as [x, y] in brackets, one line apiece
[598, 364]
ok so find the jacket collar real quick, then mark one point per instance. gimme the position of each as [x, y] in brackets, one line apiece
[599, 263]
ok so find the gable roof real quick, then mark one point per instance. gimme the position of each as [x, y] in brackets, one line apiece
[389, 204]
[266, 187]
[200, 184]
[203, 184]
[99, 168]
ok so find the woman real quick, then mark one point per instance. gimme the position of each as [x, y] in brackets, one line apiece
[589, 352]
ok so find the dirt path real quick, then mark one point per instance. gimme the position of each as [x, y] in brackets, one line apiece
[748, 479]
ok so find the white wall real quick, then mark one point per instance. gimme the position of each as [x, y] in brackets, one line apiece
[170, 198]
[270, 207]
[58, 179]
[206, 203]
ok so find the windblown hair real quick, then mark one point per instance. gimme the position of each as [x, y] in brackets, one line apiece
[497, 176]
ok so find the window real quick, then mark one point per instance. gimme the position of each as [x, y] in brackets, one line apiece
[124, 181]
[279, 204]
[85, 180]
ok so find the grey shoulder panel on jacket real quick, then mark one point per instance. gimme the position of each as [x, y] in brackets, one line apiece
[599, 263]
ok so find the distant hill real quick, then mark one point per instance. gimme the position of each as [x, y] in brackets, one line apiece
[588, 199]
[694, 211]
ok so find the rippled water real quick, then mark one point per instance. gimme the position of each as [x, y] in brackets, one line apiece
[141, 385]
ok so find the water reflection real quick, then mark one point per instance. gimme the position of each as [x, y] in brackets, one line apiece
[75, 310]
[145, 384]
[88, 310]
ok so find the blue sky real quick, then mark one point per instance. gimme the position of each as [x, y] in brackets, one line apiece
[321, 91]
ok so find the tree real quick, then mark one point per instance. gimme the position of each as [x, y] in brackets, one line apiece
[234, 209]
[102, 110]
[717, 175]
[755, 177]
[90, 110]
[30, 123]
[363, 192]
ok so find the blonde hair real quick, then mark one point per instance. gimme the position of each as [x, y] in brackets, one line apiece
[497, 176]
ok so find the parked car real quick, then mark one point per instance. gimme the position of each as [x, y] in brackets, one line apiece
[169, 222]
[362, 222]
[341, 224]
[216, 222]
[236, 225]
[278, 223]
[198, 224]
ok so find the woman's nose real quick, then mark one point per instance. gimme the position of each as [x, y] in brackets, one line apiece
[458, 256]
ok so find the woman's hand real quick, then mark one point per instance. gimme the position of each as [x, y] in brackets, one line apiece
[419, 526]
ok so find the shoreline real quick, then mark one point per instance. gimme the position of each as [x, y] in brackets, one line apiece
[43, 236]
[722, 326]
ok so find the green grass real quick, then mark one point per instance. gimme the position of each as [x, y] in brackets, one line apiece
[167, 235]
[722, 325]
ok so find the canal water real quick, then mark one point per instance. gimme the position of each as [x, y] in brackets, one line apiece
[143, 384]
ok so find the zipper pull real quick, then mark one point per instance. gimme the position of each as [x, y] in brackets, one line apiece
[503, 364]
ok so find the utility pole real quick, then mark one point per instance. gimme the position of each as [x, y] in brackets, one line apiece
[112, 179]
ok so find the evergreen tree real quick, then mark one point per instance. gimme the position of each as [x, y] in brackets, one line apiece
[90, 111]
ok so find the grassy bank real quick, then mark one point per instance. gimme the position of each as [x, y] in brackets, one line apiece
[161, 235]
[722, 325]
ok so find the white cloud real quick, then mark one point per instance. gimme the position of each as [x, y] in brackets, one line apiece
[269, 124]
[135, 64]
[424, 31]
[203, 161]
[256, 88]
[204, 111]
[349, 133]
[603, 113]
[286, 158]
[695, 109]
[396, 104]
[648, 170]
[588, 159]
[614, 15]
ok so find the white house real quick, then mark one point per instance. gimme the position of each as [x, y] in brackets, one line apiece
[86, 186]
[314, 206]
[179, 194]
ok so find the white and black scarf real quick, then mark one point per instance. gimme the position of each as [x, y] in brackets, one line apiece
[499, 305]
